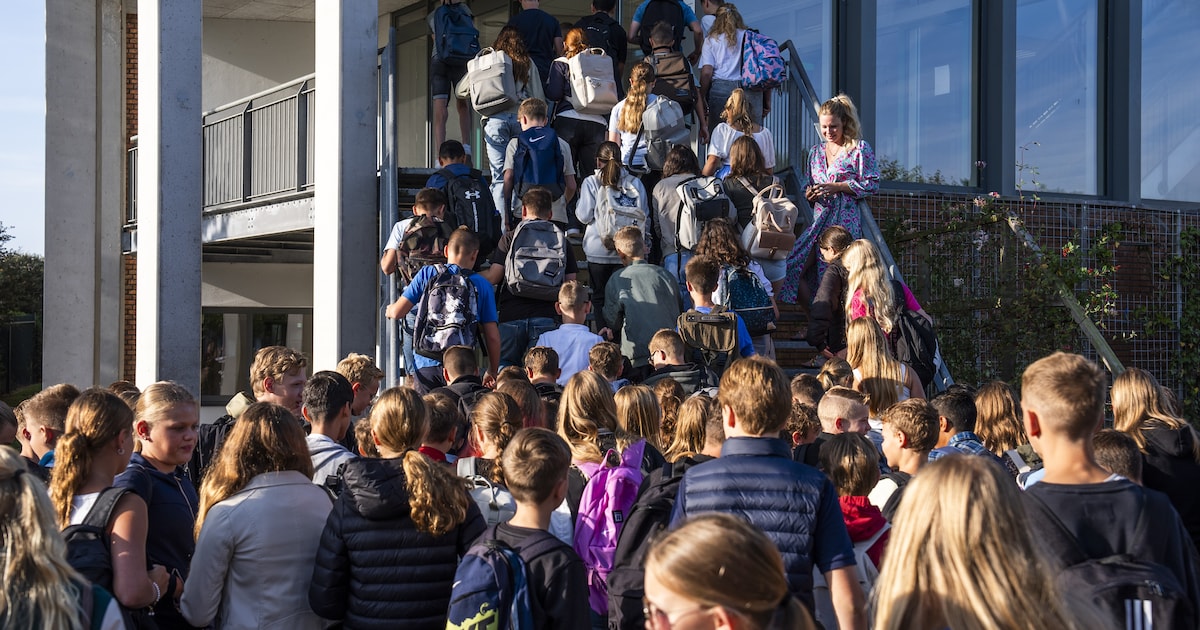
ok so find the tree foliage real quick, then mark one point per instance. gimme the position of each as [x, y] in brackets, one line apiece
[21, 277]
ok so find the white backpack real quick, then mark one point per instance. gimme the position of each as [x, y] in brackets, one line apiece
[618, 207]
[771, 232]
[866, 571]
[663, 126]
[593, 87]
[495, 502]
[493, 87]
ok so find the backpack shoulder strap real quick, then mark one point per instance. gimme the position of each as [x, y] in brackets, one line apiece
[467, 466]
[102, 509]
[870, 542]
[748, 186]
[537, 544]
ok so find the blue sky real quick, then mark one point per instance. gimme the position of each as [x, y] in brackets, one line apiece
[23, 123]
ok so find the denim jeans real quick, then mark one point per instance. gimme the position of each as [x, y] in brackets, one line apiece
[497, 131]
[719, 93]
[520, 335]
[410, 324]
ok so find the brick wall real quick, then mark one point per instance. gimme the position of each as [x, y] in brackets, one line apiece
[129, 261]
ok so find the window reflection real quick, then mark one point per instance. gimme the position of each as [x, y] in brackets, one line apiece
[229, 339]
[1056, 99]
[924, 127]
[1170, 99]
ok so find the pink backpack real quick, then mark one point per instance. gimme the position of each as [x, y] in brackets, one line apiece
[609, 495]
[762, 65]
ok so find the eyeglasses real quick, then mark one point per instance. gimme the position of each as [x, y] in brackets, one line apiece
[658, 619]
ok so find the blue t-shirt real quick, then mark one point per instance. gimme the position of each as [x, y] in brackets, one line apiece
[745, 342]
[487, 301]
[689, 15]
[456, 169]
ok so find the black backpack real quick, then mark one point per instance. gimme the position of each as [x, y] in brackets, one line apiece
[88, 550]
[471, 205]
[648, 518]
[209, 438]
[669, 11]
[914, 340]
[1126, 588]
[598, 29]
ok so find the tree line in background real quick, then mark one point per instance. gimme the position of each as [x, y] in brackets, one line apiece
[21, 290]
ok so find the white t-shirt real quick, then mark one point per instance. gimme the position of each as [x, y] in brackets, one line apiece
[397, 234]
[706, 23]
[627, 138]
[81, 504]
[724, 135]
[558, 207]
[725, 59]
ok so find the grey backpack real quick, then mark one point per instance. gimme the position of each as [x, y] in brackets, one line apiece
[536, 264]
[448, 313]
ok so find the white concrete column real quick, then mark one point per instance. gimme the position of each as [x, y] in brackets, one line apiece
[344, 243]
[84, 156]
[170, 192]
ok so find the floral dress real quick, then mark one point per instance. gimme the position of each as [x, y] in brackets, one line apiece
[857, 167]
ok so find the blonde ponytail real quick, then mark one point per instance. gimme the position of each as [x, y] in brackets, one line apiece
[641, 78]
[437, 499]
[94, 420]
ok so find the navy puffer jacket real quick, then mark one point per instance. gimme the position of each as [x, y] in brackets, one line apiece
[795, 505]
[374, 569]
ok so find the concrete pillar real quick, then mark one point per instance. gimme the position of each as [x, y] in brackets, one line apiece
[346, 217]
[169, 192]
[84, 158]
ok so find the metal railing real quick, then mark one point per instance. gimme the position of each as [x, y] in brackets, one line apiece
[255, 150]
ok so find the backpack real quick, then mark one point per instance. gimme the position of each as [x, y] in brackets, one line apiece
[424, 243]
[650, 516]
[762, 66]
[536, 263]
[455, 37]
[493, 87]
[495, 502]
[673, 79]
[593, 86]
[538, 161]
[1125, 588]
[448, 313]
[711, 334]
[491, 585]
[701, 199]
[771, 233]
[663, 126]
[611, 491]
[88, 548]
[866, 571]
[471, 204]
[617, 208]
[746, 296]
[914, 340]
[669, 11]
[209, 438]
[598, 30]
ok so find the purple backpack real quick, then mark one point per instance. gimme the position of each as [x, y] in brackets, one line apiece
[762, 65]
[609, 495]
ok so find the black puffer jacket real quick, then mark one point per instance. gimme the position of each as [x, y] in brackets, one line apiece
[374, 569]
[1171, 468]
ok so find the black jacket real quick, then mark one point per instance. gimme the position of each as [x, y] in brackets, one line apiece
[827, 318]
[690, 376]
[1171, 469]
[374, 569]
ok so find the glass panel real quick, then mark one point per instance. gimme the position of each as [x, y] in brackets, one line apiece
[413, 129]
[230, 339]
[1170, 100]
[1056, 99]
[924, 127]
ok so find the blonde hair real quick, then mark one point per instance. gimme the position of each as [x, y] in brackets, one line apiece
[1067, 390]
[1138, 405]
[535, 461]
[917, 420]
[690, 428]
[960, 555]
[720, 560]
[48, 408]
[836, 373]
[880, 376]
[359, 368]
[159, 398]
[586, 408]
[630, 241]
[842, 108]
[641, 79]
[998, 418]
[533, 408]
[639, 414]
[274, 362]
[738, 113]
[437, 499]
[94, 420]
[758, 392]
[266, 438]
[852, 464]
[573, 294]
[865, 271]
[39, 588]
[726, 24]
[574, 42]
[670, 398]
[499, 418]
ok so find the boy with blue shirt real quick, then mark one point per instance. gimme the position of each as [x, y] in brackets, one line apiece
[573, 339]
[702, 275]
[460, 255]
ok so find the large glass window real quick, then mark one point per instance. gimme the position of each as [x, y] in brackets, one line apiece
[1170, 100]
[809, 26]
[923, 123]
[1056, 97]
[230, 337]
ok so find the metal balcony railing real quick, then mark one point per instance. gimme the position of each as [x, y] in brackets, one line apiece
[256, 150]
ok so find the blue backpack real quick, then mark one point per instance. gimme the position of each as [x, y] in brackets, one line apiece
[491, 585]
[747, 297]
[455, 37]
[448, 314]
[538, 161]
